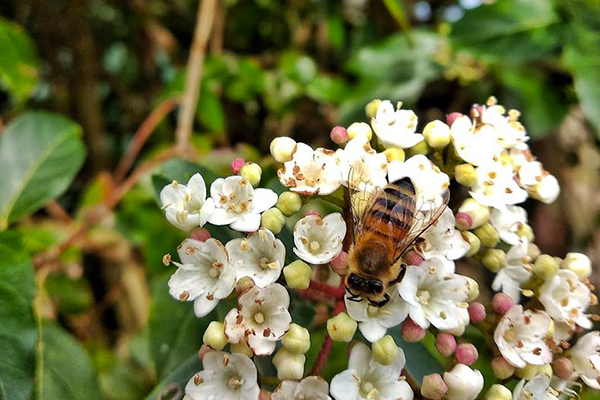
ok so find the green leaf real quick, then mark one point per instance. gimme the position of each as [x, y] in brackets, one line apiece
[327, 89]
[18, 61]
[177, 379]
[210, 110]
[40, 154]
[18, 331]
[336, 31]
[419, 360]
[298, 67]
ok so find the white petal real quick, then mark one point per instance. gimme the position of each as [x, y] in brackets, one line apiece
[263, 199]
[221, 216]
[203, 306]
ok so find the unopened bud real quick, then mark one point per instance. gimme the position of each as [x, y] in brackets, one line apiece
[395, 154]
[437, 134]
[501, 303]
[413, 258]
[479, 213]
[528, 372]
[204, 349]
[243, 285]
[297, 339]
[463, 221]
[242, 348]
[371, 108]
[420, 148]
[236, 165]
[385, 350]
[498, 392]
[545, 267]
[534, 251]
[445, 344]
[472, 289]
[450, 118]
[359, 129]
[262, 395]
[200, 234]
[273, 220]
[434, 387]
[339, 265]
[466, 354]
[578, 263]
[341, 328]
[214, 335]
[465, 174]
[473, 241]
[488, 235]
[289, 365]
[477, 312]
[526, 231]
[563, 368]
[501, 368]
[282, 148]
[411, 332]
[494, 259]
[297, 275]
[289, 203]
[339, 135]
[252, 172]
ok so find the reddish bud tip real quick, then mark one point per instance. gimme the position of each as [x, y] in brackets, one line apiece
[236, 165]
[340, 263]
[450, 118]
[501, 303]
[501, 368]
[466, 354]
[563, 368]
[477, 111]
[312, 212]
[464, 222]
[339, 135]
[203, 351]
[411, 332]
[445, 344]
[200, 234]
[476, 312]
[413, 258]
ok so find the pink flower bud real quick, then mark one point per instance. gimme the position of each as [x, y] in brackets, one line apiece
[203, 351]
[312, 212]
[433, 387]
[411, 332]
[466, 354]
[445, 344]
[413, 258]
[200, 234]
[450, 118]
[476, 312]
[501, 368]
[477, 111]
[464, 222]
[339, 135]
[501, 303]
[264, 395]
[563, 368]
[236, 165]
[340, 263]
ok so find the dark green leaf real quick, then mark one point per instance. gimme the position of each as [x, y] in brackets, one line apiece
[210, 111]
[327, 89]
[40, 154]
[298, 67]
[177, 379]
[419, 361]
[18, 60]
[336, 31]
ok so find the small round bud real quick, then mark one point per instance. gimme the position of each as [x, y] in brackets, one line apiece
[273, 220]
[501, 368]
[413, 258]
[339, 135]
[289, 203]
[433, 387]
[501, 303]
[472, 289]
[236, 165]
[420, 148]
[243, 285]
[371, 108]
[526, 231]
[297, 339]
[445, 344]
[312, 212]
[563, 368]
[479, 213]
[534, 251]
[450, 118]
[297, 275]
[545, 267]
[395, 154]
[262, 395]
[466, 354]
[341, 328]
[437, 134]
[528, 372]
[282, 148]
[465, 174]
[494, 259]
[477, 312]
[498, 392]
[204, 349]
[242, 348]
[463, 221]
[200, 234]
[385, 350]
[411, 332]
[289, 365]
[214, 335]
[476, 111]
[252, 172]
[488, 235]
[360, 129]
[578, 263]
[339, 264]
[545, 369]
[473, 241]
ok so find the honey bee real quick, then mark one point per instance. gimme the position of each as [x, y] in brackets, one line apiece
[383, 231]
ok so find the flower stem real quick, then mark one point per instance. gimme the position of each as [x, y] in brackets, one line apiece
[331, 291]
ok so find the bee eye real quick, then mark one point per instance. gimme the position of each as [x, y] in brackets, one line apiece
[355, 281]
[374, 286]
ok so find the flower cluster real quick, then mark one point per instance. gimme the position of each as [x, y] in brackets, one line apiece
[540, 308]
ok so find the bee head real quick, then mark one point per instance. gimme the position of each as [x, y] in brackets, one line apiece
[362, 285]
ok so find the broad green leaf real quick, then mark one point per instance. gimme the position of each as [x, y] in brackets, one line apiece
[18, 61]
[18, 331]
[40, 154]
[298, 67]
[336, 31]
[419, 360]
[177, 379]
[210, 110]
[327, 89]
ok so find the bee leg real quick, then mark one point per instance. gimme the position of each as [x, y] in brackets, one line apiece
[352, 296]
[400, 275]
[386, 299]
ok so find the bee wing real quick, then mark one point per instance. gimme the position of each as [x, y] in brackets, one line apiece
[362, 196]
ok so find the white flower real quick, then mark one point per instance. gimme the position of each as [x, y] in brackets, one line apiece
[260, 256]
[566, 298]
[375, 321]
[521, 337]
[238, 204]
[260, 319]
[225, 376]
[585, 356]
[186, 206]
[538, 182]
[430, 183]
[362, 168]
[496, 186]
[395, 128]
[319, 240]
[442, 239]
[538, 388]
[463, 383]
[311, 171]
[476, 144]
[508, 222]
[309, 388]
[435, 294]
[366, 379]
[516, 272]
[509, 131]
[204, 275]
[578, 263]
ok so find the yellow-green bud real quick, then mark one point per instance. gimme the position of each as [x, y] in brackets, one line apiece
[394, 154]
[289, 203]
[578, 263]
[494, 259]
[526, 231]
[359, 129]
[534, 251]
[437, 134]
[289, 365]
[473, 289]
[528, 372]
[242, 348]
[479, 213]
[371, 108]
[473, 241]
[498, 392]
[214, 335]
[341, 328]
[465, 174]
[297, 339]
[488, 235]
[252, 172]
[420, 148]
[273, 220]
[282, 148]
[545, 369]
[297, 275]
[385, 350]
[545, 267]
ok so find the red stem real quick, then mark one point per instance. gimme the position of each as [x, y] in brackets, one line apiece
[331, 291]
